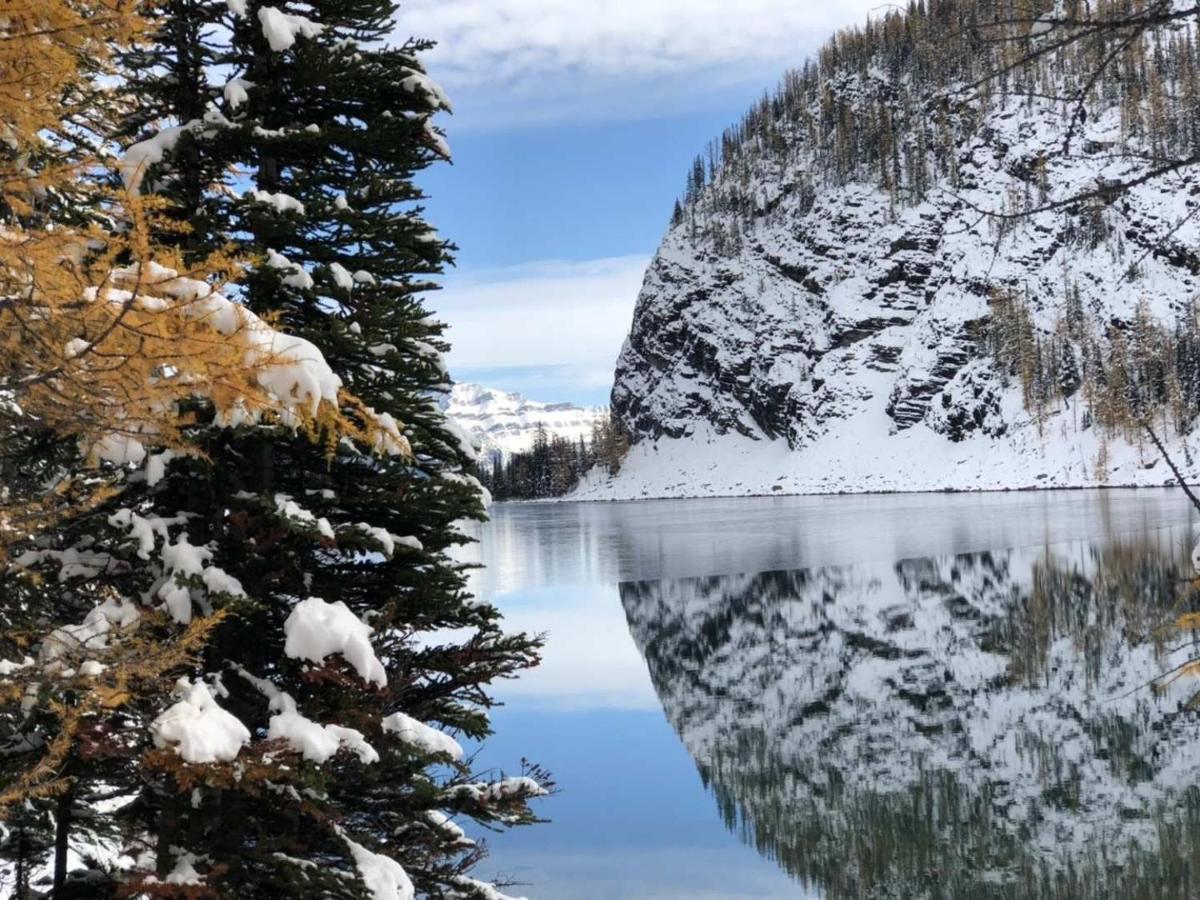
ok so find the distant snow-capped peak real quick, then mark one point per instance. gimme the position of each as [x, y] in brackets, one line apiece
[506, 423]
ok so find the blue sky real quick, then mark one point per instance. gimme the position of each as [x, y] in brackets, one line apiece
[574, 124]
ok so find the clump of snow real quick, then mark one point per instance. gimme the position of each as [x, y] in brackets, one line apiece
[76, 347]
[341, 277]
[448, 827]
[290, 509]
[145, 530]
[184, 871]
[235, 91]
[281, 29]
[7, 666]
[140, 156]
[298, 278]
[384, 877]
[118, 449]
[481, 889]
[74, 562]
[521, 786]
[419, 83]
[388, 440]
[283, 203]
[315, 630]
[421, 736]
[197, 728]
[156, 466]
[181, 561]
[381, 536]
[440, 145]
[315, 742]
[92, 633]
[218, 581]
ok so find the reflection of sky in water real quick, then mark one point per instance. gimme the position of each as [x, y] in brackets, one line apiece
[633, 818]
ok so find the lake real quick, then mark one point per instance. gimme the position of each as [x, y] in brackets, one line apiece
[861, 696]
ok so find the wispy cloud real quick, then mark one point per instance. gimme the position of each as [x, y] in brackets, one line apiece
[562, 320]
[530, 57]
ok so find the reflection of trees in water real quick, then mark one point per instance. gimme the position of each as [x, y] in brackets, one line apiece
[969, 726]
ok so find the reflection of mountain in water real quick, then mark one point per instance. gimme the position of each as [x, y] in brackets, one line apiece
[970, 726]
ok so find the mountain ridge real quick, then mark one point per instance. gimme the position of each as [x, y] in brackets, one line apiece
[506, 422]
[831, 311]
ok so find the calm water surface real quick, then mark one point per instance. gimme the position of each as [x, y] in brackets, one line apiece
[937, 696]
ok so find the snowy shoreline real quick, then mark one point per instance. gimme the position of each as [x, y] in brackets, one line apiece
[860, 457]
[1026, 489]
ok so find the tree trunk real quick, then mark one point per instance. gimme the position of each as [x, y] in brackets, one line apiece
[62, 839]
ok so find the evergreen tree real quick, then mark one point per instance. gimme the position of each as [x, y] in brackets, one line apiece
[307, 749]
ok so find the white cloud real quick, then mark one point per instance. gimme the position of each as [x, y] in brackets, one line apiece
[519, 61]
[574, 316]
[490, 40]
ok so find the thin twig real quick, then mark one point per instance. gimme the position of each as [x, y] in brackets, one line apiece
[1170, 462]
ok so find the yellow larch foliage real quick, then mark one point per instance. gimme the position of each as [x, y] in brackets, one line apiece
[102, 334]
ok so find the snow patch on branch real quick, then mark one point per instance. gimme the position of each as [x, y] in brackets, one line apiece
[420, 83]
[480, 889]
[182, 873]
[440, 145]
[514, 788]
[141, 156]
[315, 630]
[315, 742]
[283, 203]
[235, 91]
[290, 509]
[7, 666]
[281, 29]
[197, 728]
[381, 536]
[341, 277]
[298, 278]
[92, 633]
[419, 735]
[145, 531]
[384, 877]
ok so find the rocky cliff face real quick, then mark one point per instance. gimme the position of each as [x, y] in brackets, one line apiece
[843, 320]
[968, 726]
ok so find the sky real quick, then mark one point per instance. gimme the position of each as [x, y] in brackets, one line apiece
[574, 124]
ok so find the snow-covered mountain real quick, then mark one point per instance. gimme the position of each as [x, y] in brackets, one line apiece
[830, 311]
[965, 726]
[505, 423]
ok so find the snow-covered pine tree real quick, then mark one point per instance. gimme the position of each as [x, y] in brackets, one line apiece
[95, 364]
[307, 752]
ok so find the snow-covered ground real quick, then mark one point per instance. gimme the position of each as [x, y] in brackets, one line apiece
[506, 423]
[859, 455]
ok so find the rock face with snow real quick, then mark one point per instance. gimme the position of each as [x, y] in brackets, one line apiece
[966, 726]
[811, 325]
[507, 423]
